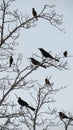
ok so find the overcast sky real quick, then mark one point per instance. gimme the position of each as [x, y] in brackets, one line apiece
[48, 37]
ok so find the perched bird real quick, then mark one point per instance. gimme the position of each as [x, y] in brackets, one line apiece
[63, 116]
[10, 61]
[23, 103]
[36, 62]
[46, 54]
[34, 13]
[47, 82]
[65, 53]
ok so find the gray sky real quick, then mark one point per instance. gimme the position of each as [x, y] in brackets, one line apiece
[48, 37]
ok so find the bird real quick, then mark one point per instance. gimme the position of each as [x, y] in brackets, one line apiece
[65, 53]
[46, 54]
[47, 82]
[36, 62]
[34, 13]
[63, 116]
[24, 103]
[10, 61]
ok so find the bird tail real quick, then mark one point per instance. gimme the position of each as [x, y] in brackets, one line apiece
[43, 66]
[33, 109]
[70, 118]
[56, 59]
[36, 18]
[10, 65]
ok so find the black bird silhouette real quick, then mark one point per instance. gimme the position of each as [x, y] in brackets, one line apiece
[10, 61]
[65, 53]
[47, 82]
[63, 116]
[24, 103]
[34, 13]
[46, 54]
[36, 62]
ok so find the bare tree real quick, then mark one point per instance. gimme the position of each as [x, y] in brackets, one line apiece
[14, 79]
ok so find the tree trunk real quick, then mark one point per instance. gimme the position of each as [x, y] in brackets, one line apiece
[66, 127]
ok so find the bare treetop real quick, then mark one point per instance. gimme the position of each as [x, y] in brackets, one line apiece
[15, 77]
